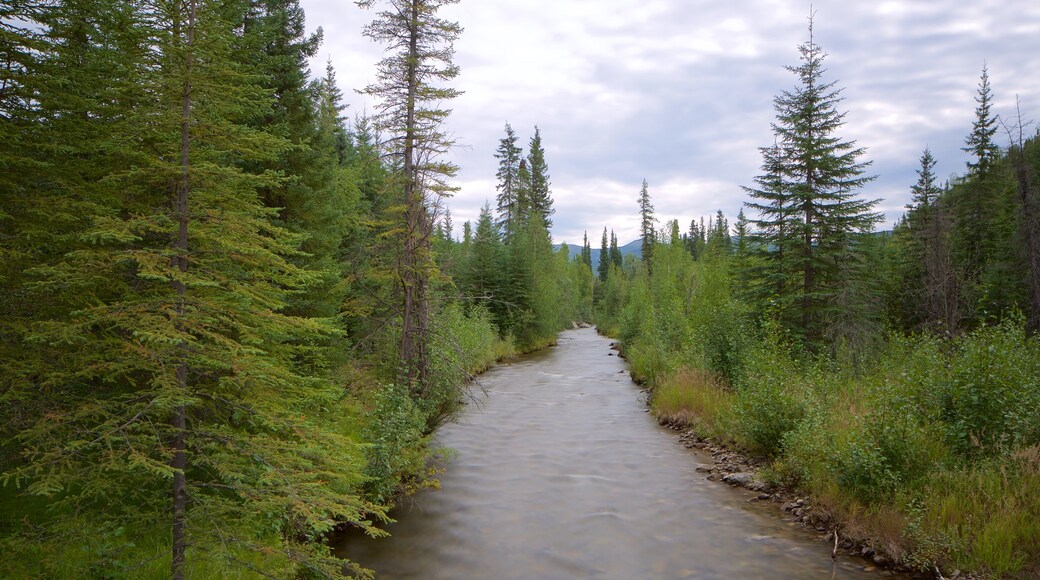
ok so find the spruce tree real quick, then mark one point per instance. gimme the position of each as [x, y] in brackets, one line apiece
[420, 46]
[935, 286]
[586, 251]
[483, 277]
[524, 209]
[979, 142]
[540, 195]
[810, 215]
[187, 417]
[741, 229]
[509, 156]
[646, 224]
[616, 259]
[604, 258]
[976, 202]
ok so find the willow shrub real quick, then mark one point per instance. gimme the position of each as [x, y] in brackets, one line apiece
[991, 401]
[771, 399]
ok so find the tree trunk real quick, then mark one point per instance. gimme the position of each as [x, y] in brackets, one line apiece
[179, 461]
[414, 275]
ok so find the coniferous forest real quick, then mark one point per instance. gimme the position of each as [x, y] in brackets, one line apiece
[232, 315]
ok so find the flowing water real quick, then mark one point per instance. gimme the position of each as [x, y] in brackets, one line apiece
[560, 472]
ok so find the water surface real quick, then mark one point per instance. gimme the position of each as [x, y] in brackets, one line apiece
[560, 472]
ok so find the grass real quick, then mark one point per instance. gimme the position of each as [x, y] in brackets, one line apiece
[943, 510]
[990, 511]
[693, 398]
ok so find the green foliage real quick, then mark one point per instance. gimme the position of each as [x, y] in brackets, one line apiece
[991, 400]
[396, 429]
[770, 400]
[810, 219]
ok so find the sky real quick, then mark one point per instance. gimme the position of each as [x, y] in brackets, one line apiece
[680, 92]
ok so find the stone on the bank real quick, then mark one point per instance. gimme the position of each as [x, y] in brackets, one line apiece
[760, 486]
[742, 479]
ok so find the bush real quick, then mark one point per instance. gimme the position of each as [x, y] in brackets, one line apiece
[770, 397]
[395, 430]
[992, 400]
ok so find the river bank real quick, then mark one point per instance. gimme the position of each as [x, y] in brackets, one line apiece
[870, 453]
[558, 471]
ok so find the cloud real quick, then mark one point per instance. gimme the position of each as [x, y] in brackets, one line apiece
[681, 92]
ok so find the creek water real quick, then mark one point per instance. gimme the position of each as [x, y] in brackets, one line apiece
[559, 472]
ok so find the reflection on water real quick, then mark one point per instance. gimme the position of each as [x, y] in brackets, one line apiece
[560, 473]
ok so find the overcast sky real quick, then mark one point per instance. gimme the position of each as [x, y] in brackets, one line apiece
[680, 92]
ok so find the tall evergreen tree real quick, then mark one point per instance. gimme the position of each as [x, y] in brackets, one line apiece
[976, 203]
[604, 258]
[182, 397]
[616, 259]
[508, 175]
[421, 50]
[810, 185]
[540, 195]
[742, 232]
[586, 251]
[646, 224]
[524, 210]
[936, 288]
[980, 141]
[483, 279]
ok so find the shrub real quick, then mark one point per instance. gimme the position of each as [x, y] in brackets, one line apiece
[771, 398]
[992, 399]
[395, 429]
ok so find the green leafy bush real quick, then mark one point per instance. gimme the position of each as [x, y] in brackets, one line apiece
[396, 428]
[992, 399]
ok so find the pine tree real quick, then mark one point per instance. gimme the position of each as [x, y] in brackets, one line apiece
[980, 142]
[178, 375]
[483, 279]
[586, 251]
[936, 285]
[421, 51]
[315, 199]
[508, 155]
[976, 203]
[604, 258]
[540, 195]
[742, 233]
[616, 259]
[719, 239]
[646, 224]
[524, 210]
[809, 213]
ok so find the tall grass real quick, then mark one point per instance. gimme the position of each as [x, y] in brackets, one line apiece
[693, 397]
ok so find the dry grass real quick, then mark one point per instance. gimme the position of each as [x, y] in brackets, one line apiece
[693, 398]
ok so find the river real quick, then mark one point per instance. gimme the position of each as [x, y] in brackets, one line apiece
[559, 472]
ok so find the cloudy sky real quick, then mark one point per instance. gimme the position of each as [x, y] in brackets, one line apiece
[680, 91]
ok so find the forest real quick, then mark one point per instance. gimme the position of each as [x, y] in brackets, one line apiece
[232, 315]
[229, 322]
[895, 375]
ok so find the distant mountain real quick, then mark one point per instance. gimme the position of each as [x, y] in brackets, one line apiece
[633, 248]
